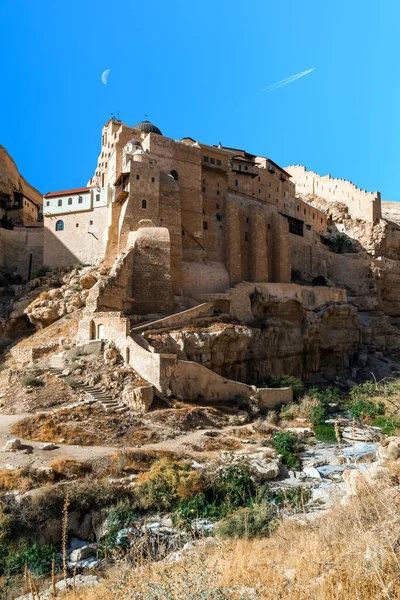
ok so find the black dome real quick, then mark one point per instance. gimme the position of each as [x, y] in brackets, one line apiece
[147, 127]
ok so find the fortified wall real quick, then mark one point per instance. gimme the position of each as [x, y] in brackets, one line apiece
[361, 204]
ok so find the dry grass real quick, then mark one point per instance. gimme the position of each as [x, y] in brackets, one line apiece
[350, 553]
[86, 427]
[209, 444]
[16, 479]
[69, 469]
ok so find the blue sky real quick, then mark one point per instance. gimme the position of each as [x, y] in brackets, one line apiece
[199, 69]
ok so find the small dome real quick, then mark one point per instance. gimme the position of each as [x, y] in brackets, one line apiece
[147, 127]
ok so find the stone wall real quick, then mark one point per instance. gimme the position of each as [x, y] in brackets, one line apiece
[361, 204]
[21, 250]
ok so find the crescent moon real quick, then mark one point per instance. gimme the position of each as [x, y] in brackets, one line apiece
[104, 76]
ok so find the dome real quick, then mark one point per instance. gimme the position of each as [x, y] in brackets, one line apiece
[147, 127]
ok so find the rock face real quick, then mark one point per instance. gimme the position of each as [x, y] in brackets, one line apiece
[284, 338]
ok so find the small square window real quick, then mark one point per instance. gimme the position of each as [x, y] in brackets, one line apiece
[48, 203]
[97, 197]
[246, 168]
[212, 161]
[90, 222]
[205, 225]
[77, 225]
[308, 227]
[217, 206]
[218, 162]
[205, 158]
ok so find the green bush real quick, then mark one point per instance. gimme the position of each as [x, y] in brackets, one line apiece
[329, 395]
[31, 381]
[14, 557]
[318, 415]
[389, 425]
[363, 409]
[369, 389]
[41, 272]
[71, 382]
[119, 517]
[325, 432]
[287, 444]
[255, 521]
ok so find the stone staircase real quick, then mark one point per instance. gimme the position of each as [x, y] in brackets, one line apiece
[95, 395]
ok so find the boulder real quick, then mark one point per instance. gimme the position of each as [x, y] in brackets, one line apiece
[49, 446]
[389, 449]
[87, 281]
[111, 356]
[82, 553]
[13, 444]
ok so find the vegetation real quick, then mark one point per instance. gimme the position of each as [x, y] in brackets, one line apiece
[287, 444]
[41, 272]
[340, 242]
[31, 381]
[325, 432]
[318, 415]
[254, 521]
[389, 425]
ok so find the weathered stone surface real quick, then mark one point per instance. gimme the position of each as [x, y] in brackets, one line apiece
[14, 444]
[389, 449]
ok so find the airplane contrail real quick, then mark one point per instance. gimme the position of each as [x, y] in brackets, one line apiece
[278, 84]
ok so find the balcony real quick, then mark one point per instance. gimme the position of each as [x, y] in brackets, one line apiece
[122, 186]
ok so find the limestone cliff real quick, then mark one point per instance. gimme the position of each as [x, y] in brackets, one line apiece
[12, 181]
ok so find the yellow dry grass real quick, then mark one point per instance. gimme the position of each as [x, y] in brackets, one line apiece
[349, 553]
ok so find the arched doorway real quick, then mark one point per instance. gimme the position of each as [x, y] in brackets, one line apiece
[100, 332]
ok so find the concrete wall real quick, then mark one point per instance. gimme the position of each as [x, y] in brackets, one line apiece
[16, 248]
[361, 204]
[179, 319]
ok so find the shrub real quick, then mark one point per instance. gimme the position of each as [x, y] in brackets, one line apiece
[325, 432]
[287, 444]
[69, 468]
[320, 280]
[14, 557]
[329, 395]
[119, 517]
[363, 409]
[71, 382]
[30, 381]
[388, 425]
[318, 415]
[165, 484]
[42, 271]
[255, 521]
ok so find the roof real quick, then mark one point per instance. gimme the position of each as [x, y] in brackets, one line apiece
[147, 127]
[278, 167]
[68, 192]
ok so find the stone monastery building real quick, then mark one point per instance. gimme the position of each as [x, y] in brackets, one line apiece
[224, 214]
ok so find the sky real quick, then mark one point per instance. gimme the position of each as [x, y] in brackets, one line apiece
[201, 69]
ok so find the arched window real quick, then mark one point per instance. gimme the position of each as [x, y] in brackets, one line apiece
[69, 200]
[60, 202]
[100, 332]
[174, 175]
[60, 226]
[144, 203]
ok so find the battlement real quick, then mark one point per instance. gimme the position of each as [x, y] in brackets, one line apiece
[361, 203]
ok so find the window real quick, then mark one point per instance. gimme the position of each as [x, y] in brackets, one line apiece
[59, 202]
[247, 219]
[183, 232]
[218, 217]
[259, 179]
[90, 222]
[203, 189]
[97, 197]
[205, 158]
[212, 161]
[69, 201]
[305, 211]
[60, 226]
[246, 168]
[259, 191]
[321, 219]
[80, 200]
[217, 206]
[205, 225]
[298, 208]
[138, 177]
[218, 162]
[174, 174]
[144, 203]
[269, 225]
[236, 182]
[152, 179]
[313, 216]
[48, 203]
[240, 167]
[308, 227]
[246, 237]
[217, 192]
[77, 225]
